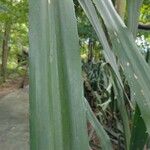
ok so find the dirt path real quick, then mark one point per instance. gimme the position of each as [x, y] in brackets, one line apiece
[14, 128]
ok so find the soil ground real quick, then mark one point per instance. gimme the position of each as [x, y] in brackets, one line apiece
[14, 116]
[14, 124]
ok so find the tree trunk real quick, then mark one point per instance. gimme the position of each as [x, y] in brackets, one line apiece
[5, 50]
[121, 7]
[90, 50]
[144, 26]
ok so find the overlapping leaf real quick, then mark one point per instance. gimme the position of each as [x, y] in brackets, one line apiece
[135, 67]
[101, 133]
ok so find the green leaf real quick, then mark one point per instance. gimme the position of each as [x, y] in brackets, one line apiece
[139, 134]
[94, 19]
[3, 8]
[92, 15]
[57, 115]
[101, 133]
[122, 109]
[133, 11]
[135, 67]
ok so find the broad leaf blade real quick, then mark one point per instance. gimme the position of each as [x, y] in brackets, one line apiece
[101, 133]
[57, 116]
[92, 15]
[139, 134]
[122, 109]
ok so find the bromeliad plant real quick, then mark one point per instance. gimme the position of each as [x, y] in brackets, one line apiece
[57, 106]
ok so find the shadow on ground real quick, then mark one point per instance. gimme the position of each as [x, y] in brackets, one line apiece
[14, 122]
